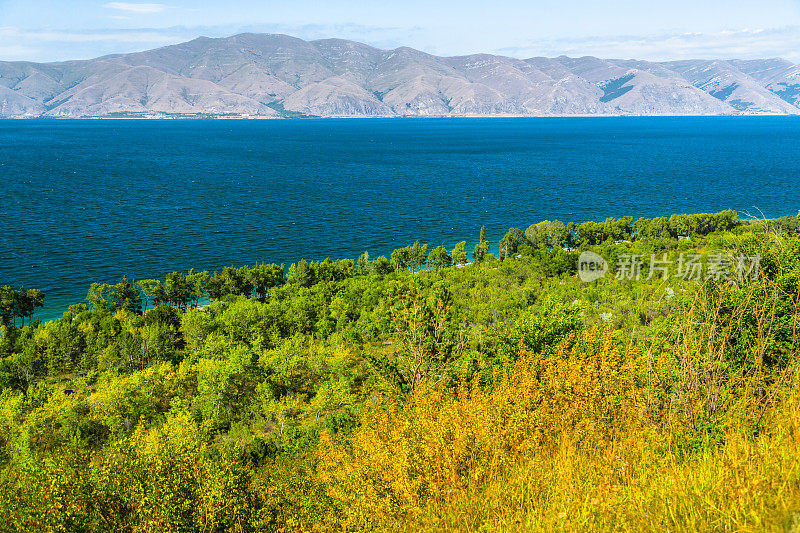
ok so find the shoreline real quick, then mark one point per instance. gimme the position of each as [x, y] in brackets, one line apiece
[385, 117]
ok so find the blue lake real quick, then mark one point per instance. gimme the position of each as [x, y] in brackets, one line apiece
[93, 200]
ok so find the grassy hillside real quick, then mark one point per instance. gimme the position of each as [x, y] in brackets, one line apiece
[374, 395]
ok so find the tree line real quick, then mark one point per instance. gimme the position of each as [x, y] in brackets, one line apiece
[185, 290]
[18, 303]
[558, 235]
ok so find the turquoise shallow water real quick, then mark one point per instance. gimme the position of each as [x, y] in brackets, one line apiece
[86, 201]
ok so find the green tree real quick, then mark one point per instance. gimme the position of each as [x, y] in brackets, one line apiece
[428, 340]
[216, 286]
[159, 342]
[345, 268]
[439, 259]
[265, 277]
[382, 266]
[29, 300]
[125, 296]
[459, 255]
[482, 248]
[655, 229]
[198, 285]
[419, 255]
[511, 242]
[31, 362]
[547, 235]
[177, 290]
[591, 233]
[237, 281]
[151, 291]
[363, 264]
[99, 295]
[301, 274]
[624, 228]
[65, 348]
[401, 258]
[9, 300]
[324, 270]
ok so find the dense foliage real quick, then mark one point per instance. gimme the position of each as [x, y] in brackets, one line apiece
[377, 394]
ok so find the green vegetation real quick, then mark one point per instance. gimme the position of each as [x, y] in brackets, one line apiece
[19, 303]
[373, 394]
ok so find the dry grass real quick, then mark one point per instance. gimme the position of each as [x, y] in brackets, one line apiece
[597, 437]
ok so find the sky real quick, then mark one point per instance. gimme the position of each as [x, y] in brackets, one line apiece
[50, 30]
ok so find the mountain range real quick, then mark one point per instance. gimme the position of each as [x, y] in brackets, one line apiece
[274, 76]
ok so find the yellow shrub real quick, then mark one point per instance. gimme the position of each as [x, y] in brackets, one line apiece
[574, 441]
[405, 458]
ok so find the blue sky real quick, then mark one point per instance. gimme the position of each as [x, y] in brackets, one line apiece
[48, 30]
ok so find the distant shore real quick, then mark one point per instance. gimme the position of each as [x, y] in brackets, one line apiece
[384, 117]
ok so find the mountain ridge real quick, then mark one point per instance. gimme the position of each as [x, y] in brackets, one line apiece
[273, 76]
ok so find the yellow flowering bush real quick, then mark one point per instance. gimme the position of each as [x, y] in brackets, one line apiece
[404, 457]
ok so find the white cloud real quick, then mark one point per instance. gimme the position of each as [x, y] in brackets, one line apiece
[16, 51]
[729, 44]
[136, 9]
[122, 36]
[758, 43]
[56, 45]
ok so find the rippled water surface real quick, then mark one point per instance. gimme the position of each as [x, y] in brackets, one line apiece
[86, 201]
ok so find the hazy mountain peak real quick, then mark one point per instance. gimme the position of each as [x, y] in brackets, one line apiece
[273, 75]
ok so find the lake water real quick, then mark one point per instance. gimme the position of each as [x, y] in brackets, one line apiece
[91, 201]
